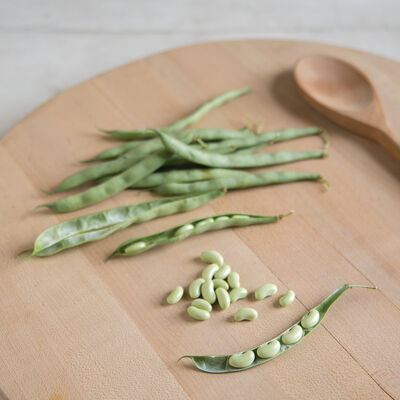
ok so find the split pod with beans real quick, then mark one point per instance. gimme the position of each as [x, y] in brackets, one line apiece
[273, 348]
[98, 225]
[194, 227]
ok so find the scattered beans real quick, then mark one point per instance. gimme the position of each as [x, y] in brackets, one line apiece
[212, 256]
[224, 300]
[207, 291]
[287, 298]
[266, 290]
[111, 186]
[202, 304]
[234, 280]
[175, 295]
[195, 288]
[245, 314]
[272, 348]
[269, 349]
[209, 271]
[198, 313]
[220, 283]
[225, 270]
[237, 294]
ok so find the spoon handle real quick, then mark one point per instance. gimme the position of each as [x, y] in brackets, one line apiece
[390, 142]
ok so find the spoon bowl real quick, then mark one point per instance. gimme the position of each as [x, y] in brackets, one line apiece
[344, 94]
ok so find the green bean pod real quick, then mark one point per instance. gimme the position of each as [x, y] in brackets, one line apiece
[206, 134]
[98, 225]
[273, 348]
[186, 175]
[115, 151]
[130, 158]
[269, 137]
[172, 234]
[111, 186]
[202, 157]
[184, 122]
[240, 180]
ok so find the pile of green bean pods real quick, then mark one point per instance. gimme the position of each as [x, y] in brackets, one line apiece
[140, 161]
[273, 348]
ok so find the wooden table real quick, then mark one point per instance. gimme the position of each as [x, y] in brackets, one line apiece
[73, 327]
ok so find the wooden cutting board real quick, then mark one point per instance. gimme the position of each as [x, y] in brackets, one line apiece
[73, 327]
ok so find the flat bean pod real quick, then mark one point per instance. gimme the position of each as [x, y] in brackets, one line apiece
[94, 172]
[116, 151]
[98, 225]
[202, 157]
[269, 137]
[273, 348]
[240, 180]
[184, 122]
[111, 186]
[186, 175]
[172, 234]
[206, 134]
[105, 169]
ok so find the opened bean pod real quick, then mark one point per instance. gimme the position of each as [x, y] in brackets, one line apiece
[181, 232]
[273, 348]
[100, 224]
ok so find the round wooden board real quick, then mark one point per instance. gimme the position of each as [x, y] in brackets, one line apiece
[73, 327]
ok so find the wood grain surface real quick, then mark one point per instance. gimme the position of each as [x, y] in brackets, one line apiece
[73, 327]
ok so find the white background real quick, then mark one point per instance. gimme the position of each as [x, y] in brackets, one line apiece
[47, 46]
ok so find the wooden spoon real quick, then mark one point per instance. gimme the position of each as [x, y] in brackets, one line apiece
[345, 95]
